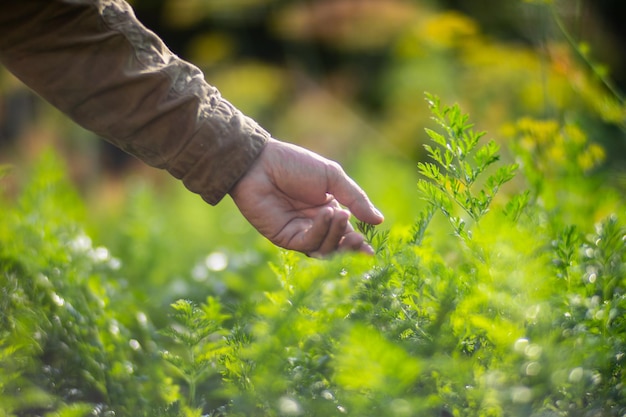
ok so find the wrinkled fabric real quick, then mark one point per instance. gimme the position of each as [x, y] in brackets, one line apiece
[98, 64]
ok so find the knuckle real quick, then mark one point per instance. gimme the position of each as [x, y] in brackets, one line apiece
[334, 169]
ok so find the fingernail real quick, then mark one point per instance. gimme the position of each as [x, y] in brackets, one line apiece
[367, 249]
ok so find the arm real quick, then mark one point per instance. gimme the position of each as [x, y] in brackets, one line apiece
[95, 62]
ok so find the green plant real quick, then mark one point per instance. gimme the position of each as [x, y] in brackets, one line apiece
[373, 236]
[518, 313]
[459, 164]
[485, 329]
[70, 339]
[198, 330]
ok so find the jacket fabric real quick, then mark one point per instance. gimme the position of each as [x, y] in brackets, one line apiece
[94, 60]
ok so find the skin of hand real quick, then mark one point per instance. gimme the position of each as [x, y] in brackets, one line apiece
[295, 198]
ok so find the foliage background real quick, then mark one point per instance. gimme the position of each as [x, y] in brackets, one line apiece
[447, 332]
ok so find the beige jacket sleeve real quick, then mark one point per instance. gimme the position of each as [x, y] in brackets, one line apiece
[94, 61]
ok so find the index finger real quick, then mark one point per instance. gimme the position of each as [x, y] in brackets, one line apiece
[349, 194]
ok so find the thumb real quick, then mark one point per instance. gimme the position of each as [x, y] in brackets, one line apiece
[349, 194]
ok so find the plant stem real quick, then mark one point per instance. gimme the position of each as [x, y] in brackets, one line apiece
[570, 39]
[192, 392]
[192, 380]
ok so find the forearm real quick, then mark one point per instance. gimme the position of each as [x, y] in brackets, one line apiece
[95, 62]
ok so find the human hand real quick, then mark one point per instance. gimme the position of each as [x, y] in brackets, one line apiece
[294, 198]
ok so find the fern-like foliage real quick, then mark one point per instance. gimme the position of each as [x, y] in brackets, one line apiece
[193, 330]
[456, 177]
[374, 237]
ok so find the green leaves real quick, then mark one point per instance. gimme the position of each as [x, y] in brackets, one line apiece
[524, 315]
[369, 363]
[454, 178]
[193, 330]
[70, 341]
[373, 236]
[198, 323]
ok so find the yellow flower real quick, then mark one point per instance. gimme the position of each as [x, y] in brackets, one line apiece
[575, 135]
[591, 157]
[446, 29]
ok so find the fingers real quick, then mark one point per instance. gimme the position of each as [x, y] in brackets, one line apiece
[340, 237]
[326, 232]
[329, 232]
[336, 230]
[348, 193]
[354, 242]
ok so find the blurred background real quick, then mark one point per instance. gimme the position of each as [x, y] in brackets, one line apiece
[346, 78]
[339, 76]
